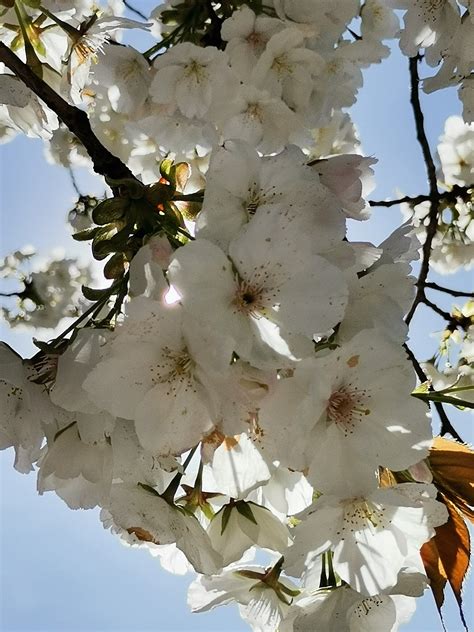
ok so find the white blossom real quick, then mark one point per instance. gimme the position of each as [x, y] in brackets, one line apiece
[371, 534]
[190, 78]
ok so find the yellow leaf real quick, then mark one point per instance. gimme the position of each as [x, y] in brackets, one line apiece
[452, 465]
[446, 556]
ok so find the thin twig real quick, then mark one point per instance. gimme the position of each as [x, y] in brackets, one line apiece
[75, 186]
[446, 315]
[354, 34]
[447, 290]
[77, 121]
[172, 488]
[97, 306]
[407, 199]
[454, 320]
[416, 365]
[449, 197]
[446, 425]
[8, 294]
[434, 193]
[134, 10]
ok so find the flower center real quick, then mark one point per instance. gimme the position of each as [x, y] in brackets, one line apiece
[346, 407]
[84, 50]
[361, 514]
[256, 40]
[253, 201]
[248, 298]
[281, 65]
[177, 367]
[254, 112]
[196, 70]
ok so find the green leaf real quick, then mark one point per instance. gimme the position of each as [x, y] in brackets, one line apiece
[245, 510]
[457, 389]
[434, 396]
[165, 168]
[181, 173]
[422, 388]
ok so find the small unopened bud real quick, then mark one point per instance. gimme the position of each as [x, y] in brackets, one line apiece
[421, 472]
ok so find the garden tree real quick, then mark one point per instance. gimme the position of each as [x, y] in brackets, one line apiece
[238, 394]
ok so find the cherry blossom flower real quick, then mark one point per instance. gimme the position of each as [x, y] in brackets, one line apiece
[371, 534]
[240, 525]
[429, 24]
[260, 288]
[190, 78]
[160, 376]
[263, 596]
[344, 402]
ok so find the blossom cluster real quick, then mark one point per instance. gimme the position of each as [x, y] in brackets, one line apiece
[443, 31]
[45, 290]
[238, 418]
[453, 245]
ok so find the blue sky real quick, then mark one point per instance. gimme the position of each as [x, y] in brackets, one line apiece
[59, 569]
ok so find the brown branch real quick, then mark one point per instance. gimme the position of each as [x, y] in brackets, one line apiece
[416, 365]
[446, 315]
[434, 196]
[131, 8]
[450, 197]
[447, 290]
[407, 199]
[77, 121]
[446, 425]
[454, 320]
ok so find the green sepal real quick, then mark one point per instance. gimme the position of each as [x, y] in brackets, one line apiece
[207, 511]
[226, 517]
[148, 488]
[289, 591]
[17, 42]
[251, 574]
[189, 210]
[245, 510]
